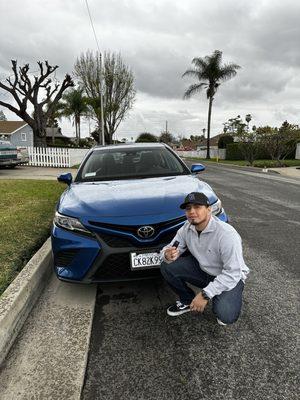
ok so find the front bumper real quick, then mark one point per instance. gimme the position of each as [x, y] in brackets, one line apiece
[102, 259]
[105, 257]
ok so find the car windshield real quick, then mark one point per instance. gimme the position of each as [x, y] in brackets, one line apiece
[130, 163]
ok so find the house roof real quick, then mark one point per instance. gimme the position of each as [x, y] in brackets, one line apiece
[213, 140]
[8, 127]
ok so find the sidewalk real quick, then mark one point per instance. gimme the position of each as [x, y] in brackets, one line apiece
[291, 172]
[45, 173]
[48, 358]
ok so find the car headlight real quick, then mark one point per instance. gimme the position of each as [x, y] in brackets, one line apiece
[72, 224]
[216, 208]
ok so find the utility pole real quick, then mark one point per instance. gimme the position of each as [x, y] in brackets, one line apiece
[166, 126]
[101, 103]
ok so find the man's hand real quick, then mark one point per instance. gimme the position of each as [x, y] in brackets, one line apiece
[199, 303]
[171, 254]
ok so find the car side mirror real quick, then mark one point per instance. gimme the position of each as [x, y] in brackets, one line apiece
[195, 168]
[65, 178]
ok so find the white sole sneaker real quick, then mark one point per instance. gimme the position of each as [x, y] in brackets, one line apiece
[221, 323]
[177, 312]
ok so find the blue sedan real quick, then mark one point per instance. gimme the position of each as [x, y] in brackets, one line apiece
[120, 210]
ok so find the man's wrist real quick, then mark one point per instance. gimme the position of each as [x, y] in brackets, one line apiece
[204, 295]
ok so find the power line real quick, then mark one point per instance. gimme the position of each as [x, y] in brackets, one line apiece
[91, 20]
[101, 94]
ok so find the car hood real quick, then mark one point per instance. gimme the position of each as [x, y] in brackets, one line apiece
[107, 201]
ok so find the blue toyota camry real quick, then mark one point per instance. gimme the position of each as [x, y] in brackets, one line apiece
[120, 210]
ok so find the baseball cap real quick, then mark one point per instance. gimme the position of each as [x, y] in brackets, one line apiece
[195, 198]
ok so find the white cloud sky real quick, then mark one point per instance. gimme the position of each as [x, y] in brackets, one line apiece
[158, 39]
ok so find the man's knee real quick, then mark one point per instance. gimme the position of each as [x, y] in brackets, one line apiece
[225, 313]
[164, 268]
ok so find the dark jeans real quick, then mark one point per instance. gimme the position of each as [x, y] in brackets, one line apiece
[226, 306]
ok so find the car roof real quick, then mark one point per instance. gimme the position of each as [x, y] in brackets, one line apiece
[129, 146]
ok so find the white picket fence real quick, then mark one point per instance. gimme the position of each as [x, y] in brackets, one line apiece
[49, 157]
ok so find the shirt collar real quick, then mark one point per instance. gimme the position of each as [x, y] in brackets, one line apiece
[210, 227]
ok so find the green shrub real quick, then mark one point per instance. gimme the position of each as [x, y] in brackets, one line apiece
[233, 152]
[274, 163]
[224, 141]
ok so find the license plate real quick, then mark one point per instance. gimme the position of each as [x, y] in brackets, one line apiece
[144, 260]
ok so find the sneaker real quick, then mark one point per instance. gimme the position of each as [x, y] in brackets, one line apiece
[178, 308]
[220, 322]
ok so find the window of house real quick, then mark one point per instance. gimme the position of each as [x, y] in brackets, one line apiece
[23, 137]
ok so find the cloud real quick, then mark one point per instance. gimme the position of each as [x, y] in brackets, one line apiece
[158, 39]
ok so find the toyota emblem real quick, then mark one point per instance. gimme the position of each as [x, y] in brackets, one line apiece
[145, 232]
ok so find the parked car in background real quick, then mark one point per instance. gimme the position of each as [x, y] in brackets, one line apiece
[23, 155]
[121, 209]
[8, 154]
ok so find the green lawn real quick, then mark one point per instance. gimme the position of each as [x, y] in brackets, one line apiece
[26, 213]
[257, 163]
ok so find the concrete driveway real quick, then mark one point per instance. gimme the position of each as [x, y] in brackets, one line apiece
[24, 172]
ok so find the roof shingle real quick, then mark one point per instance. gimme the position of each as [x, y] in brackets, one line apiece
[10, 126]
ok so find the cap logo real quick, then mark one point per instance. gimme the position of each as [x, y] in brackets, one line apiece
[192, 196]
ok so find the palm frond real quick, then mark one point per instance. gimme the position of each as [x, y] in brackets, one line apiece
[193, 89]
[228, 71]
[190, 72]
[200, 63]
[217, 57]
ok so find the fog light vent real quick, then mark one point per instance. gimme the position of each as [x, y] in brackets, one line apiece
[65, 258]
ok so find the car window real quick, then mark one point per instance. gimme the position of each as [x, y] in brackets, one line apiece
[130, 163]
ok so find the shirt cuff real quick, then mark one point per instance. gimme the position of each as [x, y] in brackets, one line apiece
[163, 258]
[209, 291]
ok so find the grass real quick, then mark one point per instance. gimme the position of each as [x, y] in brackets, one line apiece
[26, 213]
[257, 163]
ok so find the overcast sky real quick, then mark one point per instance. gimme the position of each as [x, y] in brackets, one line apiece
[158, 39]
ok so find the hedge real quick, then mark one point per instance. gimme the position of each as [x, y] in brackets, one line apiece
[233, 152]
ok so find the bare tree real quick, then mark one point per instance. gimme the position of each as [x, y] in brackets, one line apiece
[37, 91]
[117, 85]
[166, 137]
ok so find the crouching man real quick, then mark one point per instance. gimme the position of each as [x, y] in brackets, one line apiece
[215, 263]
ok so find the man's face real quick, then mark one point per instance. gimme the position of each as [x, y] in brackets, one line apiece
[197, 214]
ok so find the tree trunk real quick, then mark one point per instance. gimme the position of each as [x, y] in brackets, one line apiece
[76, 130]
[39, 141]
[78, 127]
[208, 128]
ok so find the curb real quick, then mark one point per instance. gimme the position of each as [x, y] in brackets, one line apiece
[20, 296]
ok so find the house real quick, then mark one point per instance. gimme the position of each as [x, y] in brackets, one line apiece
[213, 142]
[19, 133]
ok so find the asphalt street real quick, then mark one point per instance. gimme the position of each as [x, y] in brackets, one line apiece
[138, 352]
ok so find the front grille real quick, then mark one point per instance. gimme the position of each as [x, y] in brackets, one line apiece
[117, 266]
[118, 241]
[115, 241]
[133, 228]
[65, 258]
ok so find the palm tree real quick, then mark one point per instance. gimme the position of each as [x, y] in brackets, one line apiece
[74, 105]
[209, 74]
